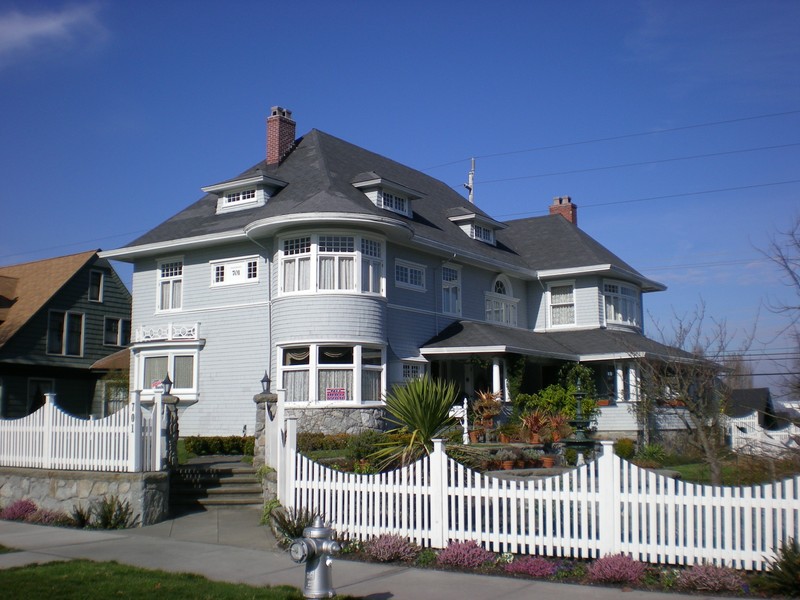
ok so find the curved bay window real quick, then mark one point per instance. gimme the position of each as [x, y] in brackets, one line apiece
[331, 263]
[332, 373]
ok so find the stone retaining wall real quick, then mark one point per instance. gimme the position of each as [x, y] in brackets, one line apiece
[147, 493]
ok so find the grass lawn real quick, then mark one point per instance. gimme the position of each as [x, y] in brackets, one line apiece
[86, 580]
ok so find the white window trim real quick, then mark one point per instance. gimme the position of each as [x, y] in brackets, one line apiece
[636, 299]
[410, 265]
[182, 278]
[550, 287]
[406, 202]
[313, 367]
[241, 261]
[412, 370]
[510, 301]
[226, 205]
[446, 285]
[314, 256]
[186, 394]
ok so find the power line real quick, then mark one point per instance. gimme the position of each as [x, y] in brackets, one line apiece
[618, 137]
[667, 196]
[638, 164]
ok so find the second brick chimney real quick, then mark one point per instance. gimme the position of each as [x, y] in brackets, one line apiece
[562, 205]
[280, 134]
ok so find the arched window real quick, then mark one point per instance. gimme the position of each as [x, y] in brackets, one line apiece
[501, 306]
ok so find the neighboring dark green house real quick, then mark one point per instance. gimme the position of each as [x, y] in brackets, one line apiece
[57, 318]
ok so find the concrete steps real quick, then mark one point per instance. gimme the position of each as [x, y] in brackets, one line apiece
[215, 483]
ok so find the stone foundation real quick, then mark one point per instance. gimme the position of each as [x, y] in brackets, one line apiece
[337, 420]
[147, 493]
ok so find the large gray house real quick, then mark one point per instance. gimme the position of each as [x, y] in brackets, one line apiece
[340, 272]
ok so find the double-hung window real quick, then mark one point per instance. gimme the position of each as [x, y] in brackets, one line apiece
[96, 286]
[170, 285]
[409, 275]
[337, 258]
[116, 332]
[451, 290]
[622, 303]
[371, 266]
[180, 368]
[65, 333]
[562, 304]
[296, 264]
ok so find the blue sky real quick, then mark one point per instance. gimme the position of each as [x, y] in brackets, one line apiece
[674, 126]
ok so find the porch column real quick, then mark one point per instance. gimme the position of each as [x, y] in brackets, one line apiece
[620, 385]
[497, 375]
[633, 381]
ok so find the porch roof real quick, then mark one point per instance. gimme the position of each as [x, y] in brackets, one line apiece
[469, 337]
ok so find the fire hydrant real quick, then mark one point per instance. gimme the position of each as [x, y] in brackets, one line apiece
[315, 549]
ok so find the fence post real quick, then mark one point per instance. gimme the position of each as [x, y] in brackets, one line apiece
[607, 501]
[438, 487]
[49, 428]
[158, 433]
[287, 463]
[135, 435]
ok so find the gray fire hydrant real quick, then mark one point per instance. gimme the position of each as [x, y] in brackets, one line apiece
[315, 549]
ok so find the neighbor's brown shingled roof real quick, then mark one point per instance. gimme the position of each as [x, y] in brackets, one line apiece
[35, 283]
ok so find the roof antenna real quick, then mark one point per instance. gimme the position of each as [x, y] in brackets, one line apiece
[470, 185]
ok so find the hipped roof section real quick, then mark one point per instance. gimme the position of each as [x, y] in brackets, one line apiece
[319, 175]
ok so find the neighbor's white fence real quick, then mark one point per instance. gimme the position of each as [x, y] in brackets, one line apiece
[130, 440]
[605, 507]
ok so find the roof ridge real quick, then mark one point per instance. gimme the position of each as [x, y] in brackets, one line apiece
[53, 258]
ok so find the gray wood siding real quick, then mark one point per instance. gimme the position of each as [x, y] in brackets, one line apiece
[586, 303]
[617, 418]
[320, 317]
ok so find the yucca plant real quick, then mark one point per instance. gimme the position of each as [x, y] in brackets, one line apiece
[421, 410]
[783, 576]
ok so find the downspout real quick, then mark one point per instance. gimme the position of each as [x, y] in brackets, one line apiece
[268, 256]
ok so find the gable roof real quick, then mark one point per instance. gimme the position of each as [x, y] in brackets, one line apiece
[744, 402]
[35, 283]
[320, 173]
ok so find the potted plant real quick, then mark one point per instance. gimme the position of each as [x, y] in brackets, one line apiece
[533, 423]
[486, 407]
[507, 433]
[558, 426]
[548, 461]
[475, 435]
[506, 458]
[532, 456]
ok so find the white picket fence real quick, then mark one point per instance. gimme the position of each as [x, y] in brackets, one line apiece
[130, 440]
[608, 506]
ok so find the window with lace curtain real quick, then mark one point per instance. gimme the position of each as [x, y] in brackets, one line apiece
[328, 373]
[562, 304]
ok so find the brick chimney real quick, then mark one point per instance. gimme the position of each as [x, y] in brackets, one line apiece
[280, 134]
[562, 205]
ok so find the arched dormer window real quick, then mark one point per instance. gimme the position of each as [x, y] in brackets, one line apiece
[501, 306]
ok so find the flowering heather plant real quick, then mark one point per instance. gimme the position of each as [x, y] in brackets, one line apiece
[466, 555]
[710, 578]
[19, 510]
[49, 517]
[532, 566]
[616, 568]
[390, 548]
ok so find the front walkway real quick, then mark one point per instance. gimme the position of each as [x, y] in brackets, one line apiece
[229, 545]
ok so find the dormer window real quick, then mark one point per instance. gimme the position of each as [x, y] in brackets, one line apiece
[386, 194]
[244, 193]
[478, 227]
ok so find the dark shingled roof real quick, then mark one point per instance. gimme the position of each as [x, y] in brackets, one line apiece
[319, 174]
[462, 336]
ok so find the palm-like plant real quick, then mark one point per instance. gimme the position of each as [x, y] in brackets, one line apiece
[421, 410]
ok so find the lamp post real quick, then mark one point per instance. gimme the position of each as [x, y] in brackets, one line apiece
[267, 429]
[171, 405]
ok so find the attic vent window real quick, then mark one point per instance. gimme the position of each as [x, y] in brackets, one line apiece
[395, 203]
[483, 234]
[248, 195]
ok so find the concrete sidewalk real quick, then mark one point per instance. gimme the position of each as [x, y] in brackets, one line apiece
[229, 545]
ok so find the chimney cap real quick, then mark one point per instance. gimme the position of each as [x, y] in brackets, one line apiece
[278, 111]
[557, 200]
